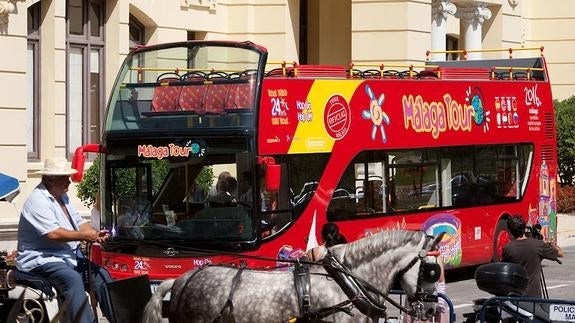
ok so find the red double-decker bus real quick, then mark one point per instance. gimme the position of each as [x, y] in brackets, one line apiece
[450, 146]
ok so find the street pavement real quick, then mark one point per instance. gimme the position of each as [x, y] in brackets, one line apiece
[566, 230]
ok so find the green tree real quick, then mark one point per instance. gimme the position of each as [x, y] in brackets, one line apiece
[565, 114]
[88, 187]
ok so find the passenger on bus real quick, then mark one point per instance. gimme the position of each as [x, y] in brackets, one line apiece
[225, 188]
[195, 193]
[244, 188]
[214, 189]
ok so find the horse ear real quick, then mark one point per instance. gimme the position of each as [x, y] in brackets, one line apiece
[436, 241]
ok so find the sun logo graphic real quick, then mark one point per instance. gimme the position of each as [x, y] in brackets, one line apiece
[196, 148]
[376, 114]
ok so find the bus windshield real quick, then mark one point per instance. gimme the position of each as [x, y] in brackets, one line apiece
[164, 190]
[188, 85]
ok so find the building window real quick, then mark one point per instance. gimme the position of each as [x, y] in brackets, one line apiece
[451, 43]
[137, 33]
[33, 83]
[85, 79]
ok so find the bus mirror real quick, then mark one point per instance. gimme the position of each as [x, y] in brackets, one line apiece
[79, 160]
[273, 173]
[78, 164]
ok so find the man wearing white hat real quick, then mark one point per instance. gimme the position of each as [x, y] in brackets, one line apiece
[49, 235]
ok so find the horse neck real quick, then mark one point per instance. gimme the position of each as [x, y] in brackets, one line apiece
[380, 257]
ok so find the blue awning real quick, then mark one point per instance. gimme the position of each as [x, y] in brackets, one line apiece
[9, 187]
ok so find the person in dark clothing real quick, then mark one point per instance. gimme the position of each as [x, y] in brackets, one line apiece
[331, 235]
[529, 253]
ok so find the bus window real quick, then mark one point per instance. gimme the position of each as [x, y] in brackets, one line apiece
[300, 174]
[414, 178]
[484, 175]
[361, 190]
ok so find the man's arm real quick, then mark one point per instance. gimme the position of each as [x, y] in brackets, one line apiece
[560, 252]
[551, 251]
[85, 233]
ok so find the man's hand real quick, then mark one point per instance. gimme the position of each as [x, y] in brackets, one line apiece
[95, 236]
[103, 235]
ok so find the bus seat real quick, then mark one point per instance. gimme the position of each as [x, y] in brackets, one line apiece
[240, 96]
[215, 98]
[193, 92]
[192, 98]
[167, 93]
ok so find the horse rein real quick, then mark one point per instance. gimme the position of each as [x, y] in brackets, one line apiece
[428, 272]
[359, 291]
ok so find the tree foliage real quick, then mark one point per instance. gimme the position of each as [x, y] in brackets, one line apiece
[88, 187]
[565, 114]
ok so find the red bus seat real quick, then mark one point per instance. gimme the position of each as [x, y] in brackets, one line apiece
[192, 95]
[192, 98]
[215, 98]
[241, 95]
[167, 93]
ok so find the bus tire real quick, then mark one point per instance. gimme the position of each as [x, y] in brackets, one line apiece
[500, 239]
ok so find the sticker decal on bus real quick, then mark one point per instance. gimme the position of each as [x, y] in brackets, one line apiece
[376, 114]
[450, 245]
[337, 117]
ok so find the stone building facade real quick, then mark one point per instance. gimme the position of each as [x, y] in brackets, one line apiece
[58, 58]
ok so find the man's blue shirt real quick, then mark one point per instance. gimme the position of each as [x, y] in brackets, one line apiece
[42, 214]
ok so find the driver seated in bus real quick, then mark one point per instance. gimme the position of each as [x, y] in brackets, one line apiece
[132, 217]
[224, 197]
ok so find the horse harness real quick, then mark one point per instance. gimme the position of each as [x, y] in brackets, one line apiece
[360, 293]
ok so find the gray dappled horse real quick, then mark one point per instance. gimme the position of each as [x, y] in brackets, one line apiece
[348, 285]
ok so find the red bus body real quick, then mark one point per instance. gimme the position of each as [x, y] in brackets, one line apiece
[451, 137]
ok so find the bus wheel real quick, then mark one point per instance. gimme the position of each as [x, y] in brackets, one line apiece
[501, 238]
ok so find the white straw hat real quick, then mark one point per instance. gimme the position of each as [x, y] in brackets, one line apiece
[57, 167]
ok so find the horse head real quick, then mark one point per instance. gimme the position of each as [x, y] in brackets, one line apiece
[368, 267]
[418, 278]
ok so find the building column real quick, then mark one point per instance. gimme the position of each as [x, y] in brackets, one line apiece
[440, 10]
[471, 16]
[6, 8]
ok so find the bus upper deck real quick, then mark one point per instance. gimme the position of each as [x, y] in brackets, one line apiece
[196, 85]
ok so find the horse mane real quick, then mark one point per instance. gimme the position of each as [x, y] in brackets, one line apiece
[370, 247]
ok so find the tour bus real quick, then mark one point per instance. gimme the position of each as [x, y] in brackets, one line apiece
[455, 146]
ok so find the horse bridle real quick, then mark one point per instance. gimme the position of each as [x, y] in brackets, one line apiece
[428, 273]
[360, 292]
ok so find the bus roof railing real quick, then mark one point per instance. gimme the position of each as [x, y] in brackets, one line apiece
[487, 50]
